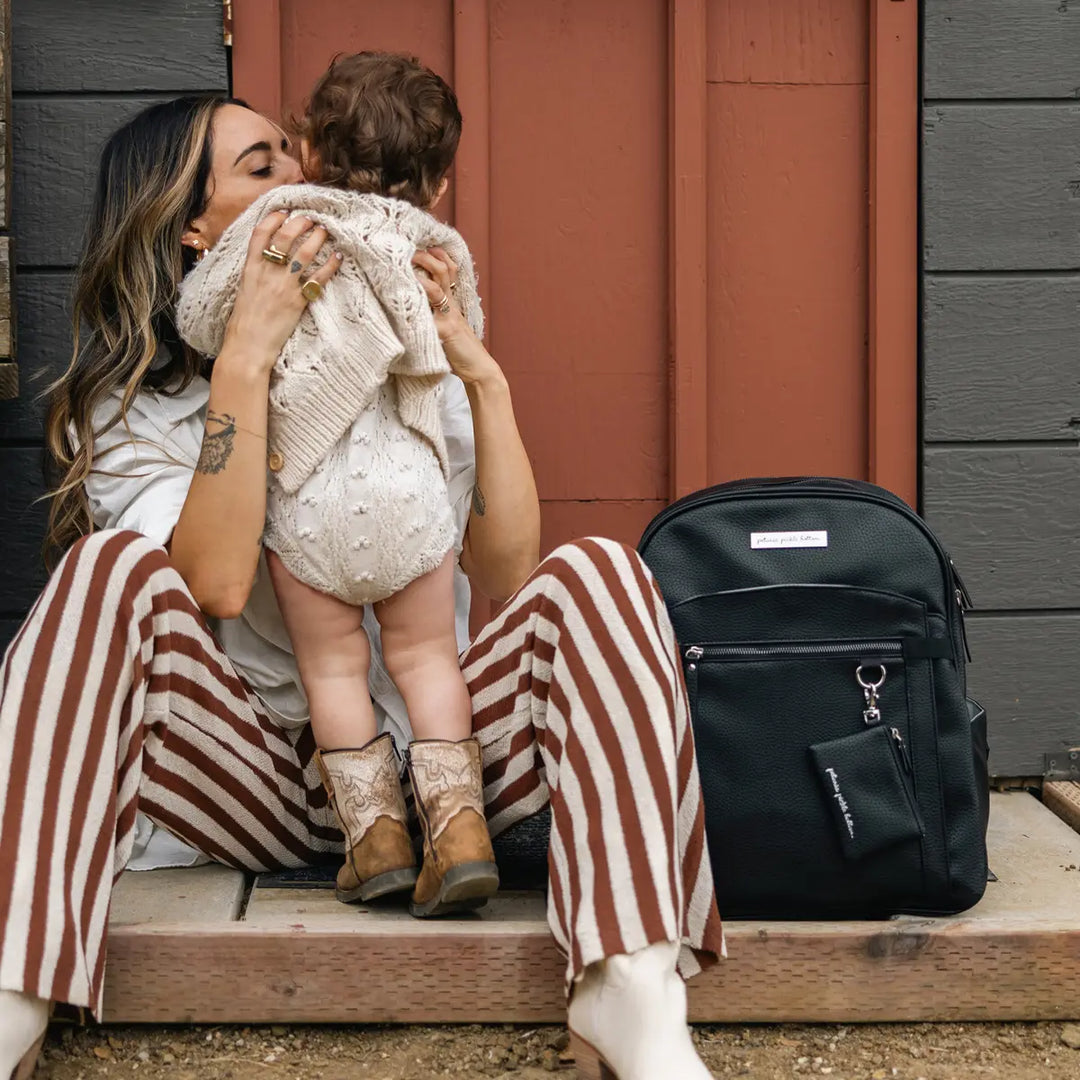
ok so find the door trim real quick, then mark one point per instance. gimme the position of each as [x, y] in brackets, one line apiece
[893, 383]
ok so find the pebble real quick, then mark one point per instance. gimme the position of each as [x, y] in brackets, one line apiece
[1070, 1036]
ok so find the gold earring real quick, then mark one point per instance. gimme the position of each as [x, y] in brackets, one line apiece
[200, 253]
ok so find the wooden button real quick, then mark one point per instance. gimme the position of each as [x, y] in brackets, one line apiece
[275, 460]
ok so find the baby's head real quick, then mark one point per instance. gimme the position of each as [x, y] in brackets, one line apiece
[381, 123]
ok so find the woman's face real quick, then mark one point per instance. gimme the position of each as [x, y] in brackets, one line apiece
[249, 156]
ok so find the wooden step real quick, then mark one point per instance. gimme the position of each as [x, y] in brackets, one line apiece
[1063, 797]
[298, 955]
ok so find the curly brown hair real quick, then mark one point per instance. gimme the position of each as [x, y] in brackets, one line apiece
[382, 123]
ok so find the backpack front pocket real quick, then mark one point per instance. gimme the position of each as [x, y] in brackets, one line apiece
[757, 709]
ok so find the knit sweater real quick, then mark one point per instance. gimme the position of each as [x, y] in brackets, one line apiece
[373, 320]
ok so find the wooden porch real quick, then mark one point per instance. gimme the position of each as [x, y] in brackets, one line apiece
[203, 945]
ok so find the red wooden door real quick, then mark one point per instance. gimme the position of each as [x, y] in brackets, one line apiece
[670, 206]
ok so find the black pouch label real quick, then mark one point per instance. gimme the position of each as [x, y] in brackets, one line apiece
[867, 791]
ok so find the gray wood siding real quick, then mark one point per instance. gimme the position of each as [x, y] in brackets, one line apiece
[1001, 187]
[79, 70]
[1001, 48]
[1001, 357]
[90, 46]
[21, 572]
[42, 303]
[56, 147]
[1010, 517]
[1001, 350]
[1022, 675]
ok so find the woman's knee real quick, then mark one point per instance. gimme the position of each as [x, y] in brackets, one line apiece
[583, 557]
[114, 551]
[112, 545]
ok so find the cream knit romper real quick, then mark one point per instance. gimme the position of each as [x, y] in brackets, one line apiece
[358, 506]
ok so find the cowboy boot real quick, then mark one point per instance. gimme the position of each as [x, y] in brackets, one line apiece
[627, 1019]
[23, 1021]
[459, 871]
[365, 791]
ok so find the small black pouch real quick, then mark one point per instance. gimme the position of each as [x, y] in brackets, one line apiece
[865, 782]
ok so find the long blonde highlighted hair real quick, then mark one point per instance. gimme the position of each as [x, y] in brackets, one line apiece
[151, 184]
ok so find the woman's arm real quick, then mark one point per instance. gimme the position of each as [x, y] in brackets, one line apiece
[217, 540]
[502, 539]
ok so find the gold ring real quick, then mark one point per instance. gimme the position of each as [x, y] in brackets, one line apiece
[453, 285]
[311, 289]
[443, 306]
[274, 255]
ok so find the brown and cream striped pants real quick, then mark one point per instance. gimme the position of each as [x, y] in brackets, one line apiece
[115, 697]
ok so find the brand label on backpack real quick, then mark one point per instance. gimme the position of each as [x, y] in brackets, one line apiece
[789, 540]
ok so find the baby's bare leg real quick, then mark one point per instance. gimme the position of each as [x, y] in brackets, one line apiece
[421, 655]
[333, 654]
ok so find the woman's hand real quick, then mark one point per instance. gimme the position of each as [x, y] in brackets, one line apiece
[269, 302]
[465, 352]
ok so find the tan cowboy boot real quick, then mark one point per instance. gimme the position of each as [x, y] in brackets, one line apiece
[365, 791]
[459, 871]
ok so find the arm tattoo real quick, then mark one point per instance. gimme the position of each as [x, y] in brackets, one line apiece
[479, 503]
[217, 444]
[296, 267]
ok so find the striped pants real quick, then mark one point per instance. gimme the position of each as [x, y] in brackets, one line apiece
[115, 697]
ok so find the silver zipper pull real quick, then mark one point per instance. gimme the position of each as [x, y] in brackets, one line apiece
[871, 714]
[695, 652]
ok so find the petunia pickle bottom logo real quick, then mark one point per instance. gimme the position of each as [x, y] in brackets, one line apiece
[814, 539]
[841, 802]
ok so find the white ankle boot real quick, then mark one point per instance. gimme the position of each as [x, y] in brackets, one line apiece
[23, 1020]
[627, 1019]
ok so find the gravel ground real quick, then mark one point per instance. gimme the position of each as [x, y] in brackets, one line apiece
[872, 1052]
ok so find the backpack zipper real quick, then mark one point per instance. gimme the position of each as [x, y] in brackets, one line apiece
[781, 651]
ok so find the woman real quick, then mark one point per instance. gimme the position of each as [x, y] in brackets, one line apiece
[188, 708]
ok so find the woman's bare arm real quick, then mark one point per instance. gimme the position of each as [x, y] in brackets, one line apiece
[217, 540]
[502, 539]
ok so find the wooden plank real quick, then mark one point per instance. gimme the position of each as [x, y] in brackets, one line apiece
[43, 304]
[102, 45]
[620, 520]
[22, 574]
[1000, 357]
[893, 380]
[1012, 957]
[472, 166]
[6, 78]
[688, 425]
[1001, 49]
[588, 362]
[1063, 797]
[7, 313]
[256, 54]
[195, 895]
[787, 281]
[1010, 516]
[508, 914]
[1022, 675]
[57, 146]
[787, 41]
[1000, 186]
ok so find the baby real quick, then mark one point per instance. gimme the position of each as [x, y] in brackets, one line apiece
[358, 510]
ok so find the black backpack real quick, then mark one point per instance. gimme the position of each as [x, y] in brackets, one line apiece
[844, 770]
